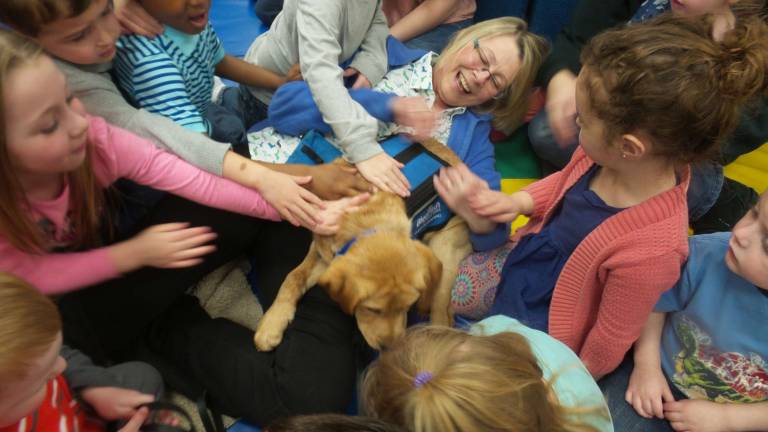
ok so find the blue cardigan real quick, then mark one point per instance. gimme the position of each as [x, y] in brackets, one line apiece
[294, 112]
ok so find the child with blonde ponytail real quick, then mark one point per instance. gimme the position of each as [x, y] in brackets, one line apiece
[500, 376]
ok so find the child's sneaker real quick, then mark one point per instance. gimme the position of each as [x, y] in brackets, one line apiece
[218, 90]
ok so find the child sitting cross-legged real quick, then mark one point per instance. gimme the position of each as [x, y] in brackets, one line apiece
[700, 364]
[173, 74]
[47, 386]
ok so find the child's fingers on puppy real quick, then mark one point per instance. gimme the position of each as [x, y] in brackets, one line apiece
[306, 214]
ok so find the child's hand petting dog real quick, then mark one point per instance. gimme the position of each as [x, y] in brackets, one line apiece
[332, 181]
[456, 185]
[334, 210]
[285, 193]
[500, 207]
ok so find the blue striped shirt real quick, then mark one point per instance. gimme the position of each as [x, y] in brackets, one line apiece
[172, 74]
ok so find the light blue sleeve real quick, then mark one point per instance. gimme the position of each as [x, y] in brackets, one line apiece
[570, 379]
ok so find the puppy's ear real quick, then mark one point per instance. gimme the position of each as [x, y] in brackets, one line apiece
[338, 283]
[431, 273]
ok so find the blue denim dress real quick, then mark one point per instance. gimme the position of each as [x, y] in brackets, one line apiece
[532, 268]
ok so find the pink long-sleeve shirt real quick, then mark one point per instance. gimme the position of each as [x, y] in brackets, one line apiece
[117, 153]
[615, 276]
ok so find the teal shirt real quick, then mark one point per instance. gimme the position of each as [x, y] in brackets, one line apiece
[172, 74]
[573, 384]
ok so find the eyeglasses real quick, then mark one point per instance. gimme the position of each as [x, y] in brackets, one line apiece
[497, 81]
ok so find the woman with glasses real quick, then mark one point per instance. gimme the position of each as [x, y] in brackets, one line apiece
[484, 75]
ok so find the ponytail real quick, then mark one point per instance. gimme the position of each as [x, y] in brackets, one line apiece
[668, 78]
[744, 60]
[443, 379]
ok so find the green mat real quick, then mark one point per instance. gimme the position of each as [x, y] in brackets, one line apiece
[514, 157]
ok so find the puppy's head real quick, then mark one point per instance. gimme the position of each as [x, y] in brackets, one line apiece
[378, 280]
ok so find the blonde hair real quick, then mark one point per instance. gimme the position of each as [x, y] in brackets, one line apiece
[477, 383]
[86, 198]
[29, 325]
[509, 111]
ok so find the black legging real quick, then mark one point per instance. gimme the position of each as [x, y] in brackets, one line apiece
[107, 320]
[313, 370]
[146, 315]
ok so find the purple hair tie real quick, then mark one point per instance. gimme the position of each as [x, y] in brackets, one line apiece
[421, 379]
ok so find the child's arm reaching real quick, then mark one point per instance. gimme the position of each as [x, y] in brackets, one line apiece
[319, 51]
[107, 390]
[500, 207]
[166, 246]
[243, 72]
[470, 197]
[457, 186]
[648, 388]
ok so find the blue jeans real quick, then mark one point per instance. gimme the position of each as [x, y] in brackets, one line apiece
[240, 101]
[706, 176]
[625, 419]
[436, 39]
[227, 126]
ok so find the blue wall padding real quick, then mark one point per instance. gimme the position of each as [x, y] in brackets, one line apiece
[547, 17]
[236, 24]
[487, 9]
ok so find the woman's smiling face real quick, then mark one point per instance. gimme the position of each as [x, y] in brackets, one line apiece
[478, 72]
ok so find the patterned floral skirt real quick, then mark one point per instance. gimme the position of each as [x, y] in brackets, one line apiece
[478, 278]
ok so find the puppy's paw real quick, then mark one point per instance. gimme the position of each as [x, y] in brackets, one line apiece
[269, 331]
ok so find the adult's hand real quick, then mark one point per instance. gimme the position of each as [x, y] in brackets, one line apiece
[561, 107]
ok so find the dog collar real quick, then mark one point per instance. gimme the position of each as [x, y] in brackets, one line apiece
[352, 241]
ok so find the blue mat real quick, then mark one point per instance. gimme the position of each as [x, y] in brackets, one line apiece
[242, 426]
[236, 24]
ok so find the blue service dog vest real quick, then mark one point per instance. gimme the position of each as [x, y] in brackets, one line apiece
[424, 207]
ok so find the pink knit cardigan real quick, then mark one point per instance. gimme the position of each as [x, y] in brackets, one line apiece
[614, 277]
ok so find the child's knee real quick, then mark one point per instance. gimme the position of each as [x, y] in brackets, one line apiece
[478, 277]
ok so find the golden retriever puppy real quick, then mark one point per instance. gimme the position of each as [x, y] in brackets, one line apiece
[375, 271]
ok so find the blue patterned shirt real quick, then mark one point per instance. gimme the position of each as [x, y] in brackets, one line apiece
[172, 74]
[649, 9]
